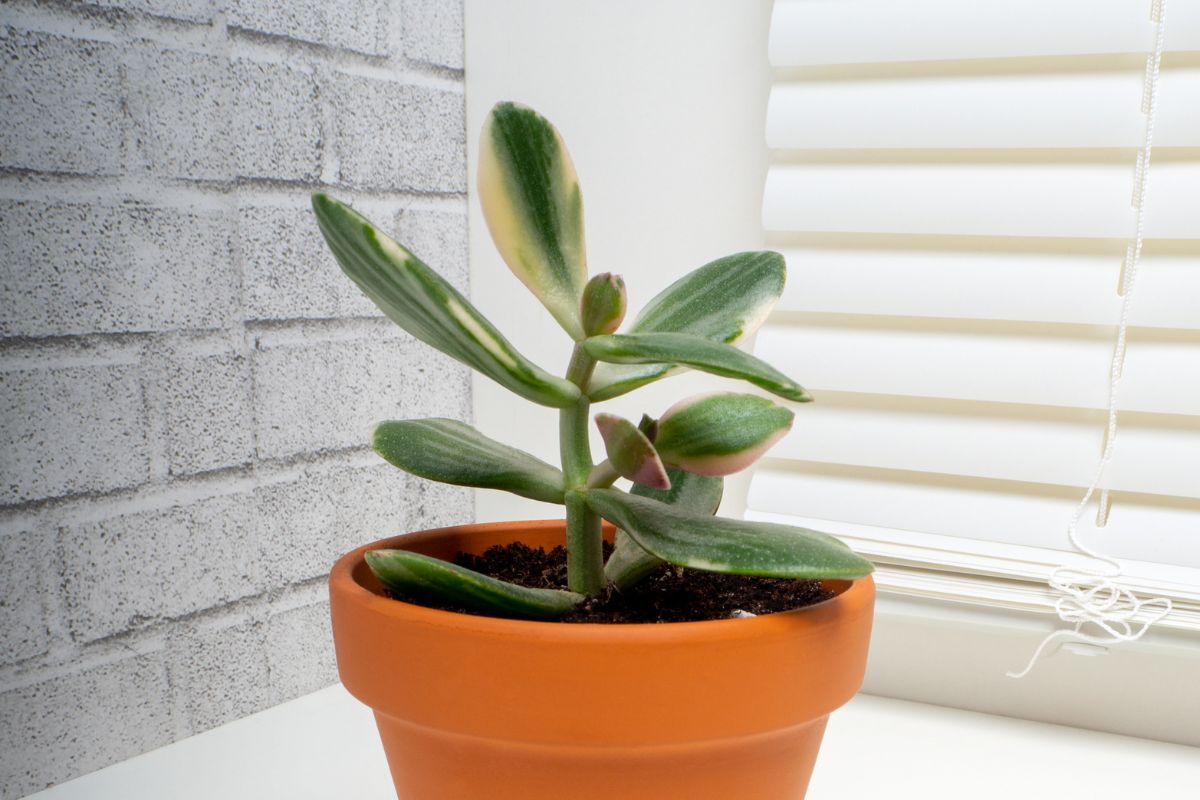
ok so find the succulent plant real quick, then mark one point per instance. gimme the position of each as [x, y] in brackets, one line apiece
[534, 209]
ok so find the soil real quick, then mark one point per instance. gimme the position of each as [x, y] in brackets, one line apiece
[672, 594]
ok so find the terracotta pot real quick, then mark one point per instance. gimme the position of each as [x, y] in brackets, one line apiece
[476, 708]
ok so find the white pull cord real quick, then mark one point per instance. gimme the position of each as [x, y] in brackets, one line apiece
[1093, 595]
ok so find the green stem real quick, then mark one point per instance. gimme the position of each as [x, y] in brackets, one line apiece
[585, 553]
[603, 475]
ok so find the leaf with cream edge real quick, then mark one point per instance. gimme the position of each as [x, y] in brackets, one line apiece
[720, 433]
[732, 546]
[694, 351]
[631, 453]
[427, 578]
[534, 209]
[699, 494]
[724, 301]
[450, 451]
[422, 303]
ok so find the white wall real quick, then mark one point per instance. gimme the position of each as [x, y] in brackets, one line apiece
[662, 106]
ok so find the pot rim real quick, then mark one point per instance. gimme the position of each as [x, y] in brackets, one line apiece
[850, 596]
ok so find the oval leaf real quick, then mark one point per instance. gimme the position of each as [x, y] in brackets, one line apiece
[450, 451]
[721, 433]
[725, 301]
[534, 209]
[630, 562]
[727, 545]
[429, 308]
[694, 351]
[631, 453]
[422, 577]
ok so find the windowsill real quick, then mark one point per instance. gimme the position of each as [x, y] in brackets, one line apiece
[324, 745]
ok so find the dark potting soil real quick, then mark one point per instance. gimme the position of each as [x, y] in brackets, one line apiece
[671, 594]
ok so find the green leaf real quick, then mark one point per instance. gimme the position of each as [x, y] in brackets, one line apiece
[720, 433]
[429, 308]
[630, 452]
[724, 301]
[450, 451]
[534, 209]
[428, 578]
[699, 494]
[727, 545]
[694, 351]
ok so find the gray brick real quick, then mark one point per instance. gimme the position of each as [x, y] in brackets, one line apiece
[439, 238]
[62, 104]
[359, 25]
[73, 269]
[361, 382]
[142, 567]
[23, 630]
[394, 136]
[288, 271]
[308, 523]
[78, 723]
[433, 32]
[208, 413]
[300, 652]
[276, 129]
[69, 430]
[219, 675]
[181, 104]
[188, 10]
[438, 505]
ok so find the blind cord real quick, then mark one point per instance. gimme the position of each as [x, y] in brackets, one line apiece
[1092, 595]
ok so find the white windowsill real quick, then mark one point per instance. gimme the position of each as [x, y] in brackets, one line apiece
[324, 746]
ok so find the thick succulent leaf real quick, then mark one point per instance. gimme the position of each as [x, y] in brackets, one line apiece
[720, 433]
[700, 494]
[450, 451]
[533, 207]
[725, 301]
[631, 453]
[420, 576]
[429, 308]
[727, 545]
[693, 351]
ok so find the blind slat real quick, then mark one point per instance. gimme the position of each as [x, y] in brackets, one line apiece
[872, 31]
[1013, 365]
[1024, 514]
[984, 199]
[962, 283]
[1030, 444]
[1028, 110]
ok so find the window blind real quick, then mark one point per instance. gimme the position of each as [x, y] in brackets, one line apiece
[952, 185]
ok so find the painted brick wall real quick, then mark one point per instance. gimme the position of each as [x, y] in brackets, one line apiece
[186, 379]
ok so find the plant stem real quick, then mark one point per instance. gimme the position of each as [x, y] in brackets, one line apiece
[585, 553]
[603, 475]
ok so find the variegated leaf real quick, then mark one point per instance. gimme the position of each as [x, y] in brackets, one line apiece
[429, 308]
[450, 451]
[423, 577]
[699, 494]
[631, 453]
[725, 301]
[727, 545]
[696, 352]
[720, 433]
[531, 200]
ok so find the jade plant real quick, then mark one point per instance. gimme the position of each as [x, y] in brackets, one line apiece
[676, 463]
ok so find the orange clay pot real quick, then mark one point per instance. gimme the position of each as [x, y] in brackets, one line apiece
[478, 708]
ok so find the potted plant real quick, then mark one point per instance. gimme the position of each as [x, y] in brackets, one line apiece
[479, 690]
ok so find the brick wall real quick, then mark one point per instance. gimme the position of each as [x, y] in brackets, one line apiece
[186, 379]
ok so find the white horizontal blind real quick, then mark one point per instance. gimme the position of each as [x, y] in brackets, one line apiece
[952, 186]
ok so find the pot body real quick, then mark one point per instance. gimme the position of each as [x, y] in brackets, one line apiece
[477, 707]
